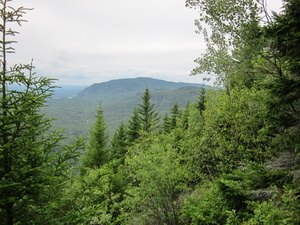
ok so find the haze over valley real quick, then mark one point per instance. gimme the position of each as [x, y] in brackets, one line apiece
[75, 107]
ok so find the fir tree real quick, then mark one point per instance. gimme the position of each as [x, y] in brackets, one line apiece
[201, 100]
[119, 143]
[166, 124]
[133, 127]
[171, 122]
[148, 116]
[184, 119]
[97, 150]
[33, 164]
[175, 113]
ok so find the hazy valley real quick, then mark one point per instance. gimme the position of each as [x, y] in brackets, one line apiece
[74, 107]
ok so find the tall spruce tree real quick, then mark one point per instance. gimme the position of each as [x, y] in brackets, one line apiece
[148, 116]
[285, 87]
[184, 120]
[170, 122]
[133, 127]
[175, 113]
[166, 126]
[32, 162]
[96, 153]
[201, 100]
[119, 143]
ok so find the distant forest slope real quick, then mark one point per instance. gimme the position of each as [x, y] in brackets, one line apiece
[117, 98]
[123, 88]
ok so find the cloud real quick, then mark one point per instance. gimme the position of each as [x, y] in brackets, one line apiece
[97, 40]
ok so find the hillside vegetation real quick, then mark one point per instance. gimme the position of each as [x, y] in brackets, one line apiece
[117, 98]
[123, 88]
[228, 156]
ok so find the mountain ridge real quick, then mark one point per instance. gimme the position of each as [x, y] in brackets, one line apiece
[118, 89]
[117, 101]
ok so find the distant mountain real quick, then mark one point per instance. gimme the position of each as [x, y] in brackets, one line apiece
[118, 99]
[121, 89]
[61, 91]
[68, 91]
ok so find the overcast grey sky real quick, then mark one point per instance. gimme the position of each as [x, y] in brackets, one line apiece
[85, 42]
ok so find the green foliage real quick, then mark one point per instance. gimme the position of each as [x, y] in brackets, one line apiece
[171, 122]
[230, 199]
[147, 115]
[234, 126]
[119, 143]
[201, 100]
[205, 206]
[76, 115]
[211, 163]
[157, 179]
[233, 26]
[166, 126]
[284, 33]
[284, 89]
[208, 165]
[34, 165]
[96, 153]
[247, 47]
[134, 126]
[283, 208]
[184, 120]
[93, 198]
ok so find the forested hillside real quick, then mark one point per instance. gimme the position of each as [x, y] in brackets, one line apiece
[122, 88]
[117, 98]
[231, 156]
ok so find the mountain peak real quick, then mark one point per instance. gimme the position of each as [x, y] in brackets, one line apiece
[121, 88]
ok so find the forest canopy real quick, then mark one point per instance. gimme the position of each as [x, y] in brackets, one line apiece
[230, 157]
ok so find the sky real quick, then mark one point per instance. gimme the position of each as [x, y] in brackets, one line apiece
[84, 42]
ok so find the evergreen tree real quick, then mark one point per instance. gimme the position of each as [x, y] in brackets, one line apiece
[170, 122]
[283, 104]
[175, 113]
[148, 116]
[96, 153]
[166, 126]
[284, 34]
[133, 127]
[33, 164]
[201, 100]
[184, 119]
[119, 143]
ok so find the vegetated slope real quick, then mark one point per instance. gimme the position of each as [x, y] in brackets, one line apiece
[123, 88]
[117, 99]
[121, 111]
[68, 91]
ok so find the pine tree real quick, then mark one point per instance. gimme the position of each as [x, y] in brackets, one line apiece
[171, 122]
[119, 143]
[184, 119]
[166, 126]
[284, 101]
[175, 113]
[148, 116]
[133, 127]
[96, 153]
[32, 162]
[201, 100]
